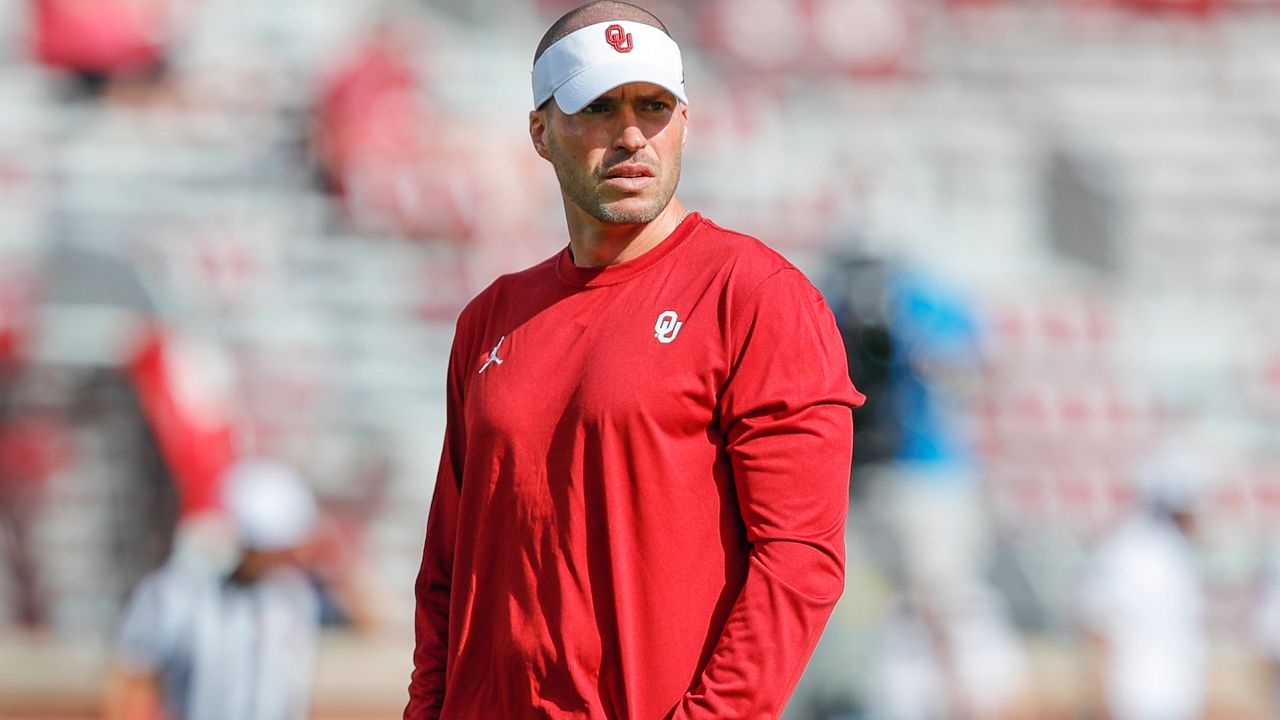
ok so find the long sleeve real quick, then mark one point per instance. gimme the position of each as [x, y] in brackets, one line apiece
[785, 413]
[432, 590]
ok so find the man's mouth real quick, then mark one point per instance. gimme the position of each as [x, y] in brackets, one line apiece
[629, 171]
[629, 177]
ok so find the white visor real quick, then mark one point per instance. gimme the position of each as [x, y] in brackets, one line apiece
[593, 60]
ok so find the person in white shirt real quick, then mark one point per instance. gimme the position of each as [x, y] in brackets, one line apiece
[1143, 605]
[955, 656]
[199, 644]
[1266, 624]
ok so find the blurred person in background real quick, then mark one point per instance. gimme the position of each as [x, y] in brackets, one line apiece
[1266, 625]
[955, 657]
[916, 341]
[641, 499]
[99, 42]
[856, 284]
[1143, 603]
[947, 646]
[931, 487]
[33, 444]
[382, 146]
[202, 642]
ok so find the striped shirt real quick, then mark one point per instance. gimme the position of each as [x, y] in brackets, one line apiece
[223, 650]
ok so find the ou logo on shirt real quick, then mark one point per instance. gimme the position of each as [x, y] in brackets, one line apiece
[667, 327]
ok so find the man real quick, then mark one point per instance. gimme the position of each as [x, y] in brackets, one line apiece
[198, 644]
[1265, 624]
[1142, 600]
[641, 500]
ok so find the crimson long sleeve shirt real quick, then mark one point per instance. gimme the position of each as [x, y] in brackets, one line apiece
[640, 507]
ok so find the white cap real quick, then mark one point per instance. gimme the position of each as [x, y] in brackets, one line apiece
[1174, 478]
[593, 60]
[269, 505]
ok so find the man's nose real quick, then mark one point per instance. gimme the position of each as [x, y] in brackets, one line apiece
[630, 137]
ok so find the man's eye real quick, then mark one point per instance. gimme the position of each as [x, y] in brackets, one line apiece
[596, 107]
[657, 106]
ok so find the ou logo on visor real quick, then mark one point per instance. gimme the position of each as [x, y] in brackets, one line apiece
[667, 327]
[619, 38]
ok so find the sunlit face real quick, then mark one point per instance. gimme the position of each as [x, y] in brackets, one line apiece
[618, 159]
[257, 564]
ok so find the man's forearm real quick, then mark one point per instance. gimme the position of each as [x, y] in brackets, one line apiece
[431, 637]
[131, 696]
[769, 636]
[426, 685]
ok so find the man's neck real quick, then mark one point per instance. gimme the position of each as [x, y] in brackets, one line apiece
[597, 244]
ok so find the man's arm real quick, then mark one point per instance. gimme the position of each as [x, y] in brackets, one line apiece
[152, 636]
[435, 576]
[131, 695]
[787, 421]
[1095, 614]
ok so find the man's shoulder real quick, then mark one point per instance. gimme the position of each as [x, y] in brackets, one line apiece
[742, 250]
[747, 256]
[503, 286]
[182, 576]
[164, 604]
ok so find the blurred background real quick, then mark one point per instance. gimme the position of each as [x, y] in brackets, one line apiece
[1049, 229]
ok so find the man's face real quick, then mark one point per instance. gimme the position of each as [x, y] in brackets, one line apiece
[618, 159]
[257, 564]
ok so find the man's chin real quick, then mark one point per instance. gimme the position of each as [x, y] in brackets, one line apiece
[628, 211]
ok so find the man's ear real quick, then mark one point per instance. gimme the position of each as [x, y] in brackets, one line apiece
[684, 139]
[538, 131]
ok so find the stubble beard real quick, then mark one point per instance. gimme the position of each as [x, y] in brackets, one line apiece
[581, 189]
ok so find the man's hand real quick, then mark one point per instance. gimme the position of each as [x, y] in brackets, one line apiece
[130, 695]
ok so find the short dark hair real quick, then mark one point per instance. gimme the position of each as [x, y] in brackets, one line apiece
[595, 12]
